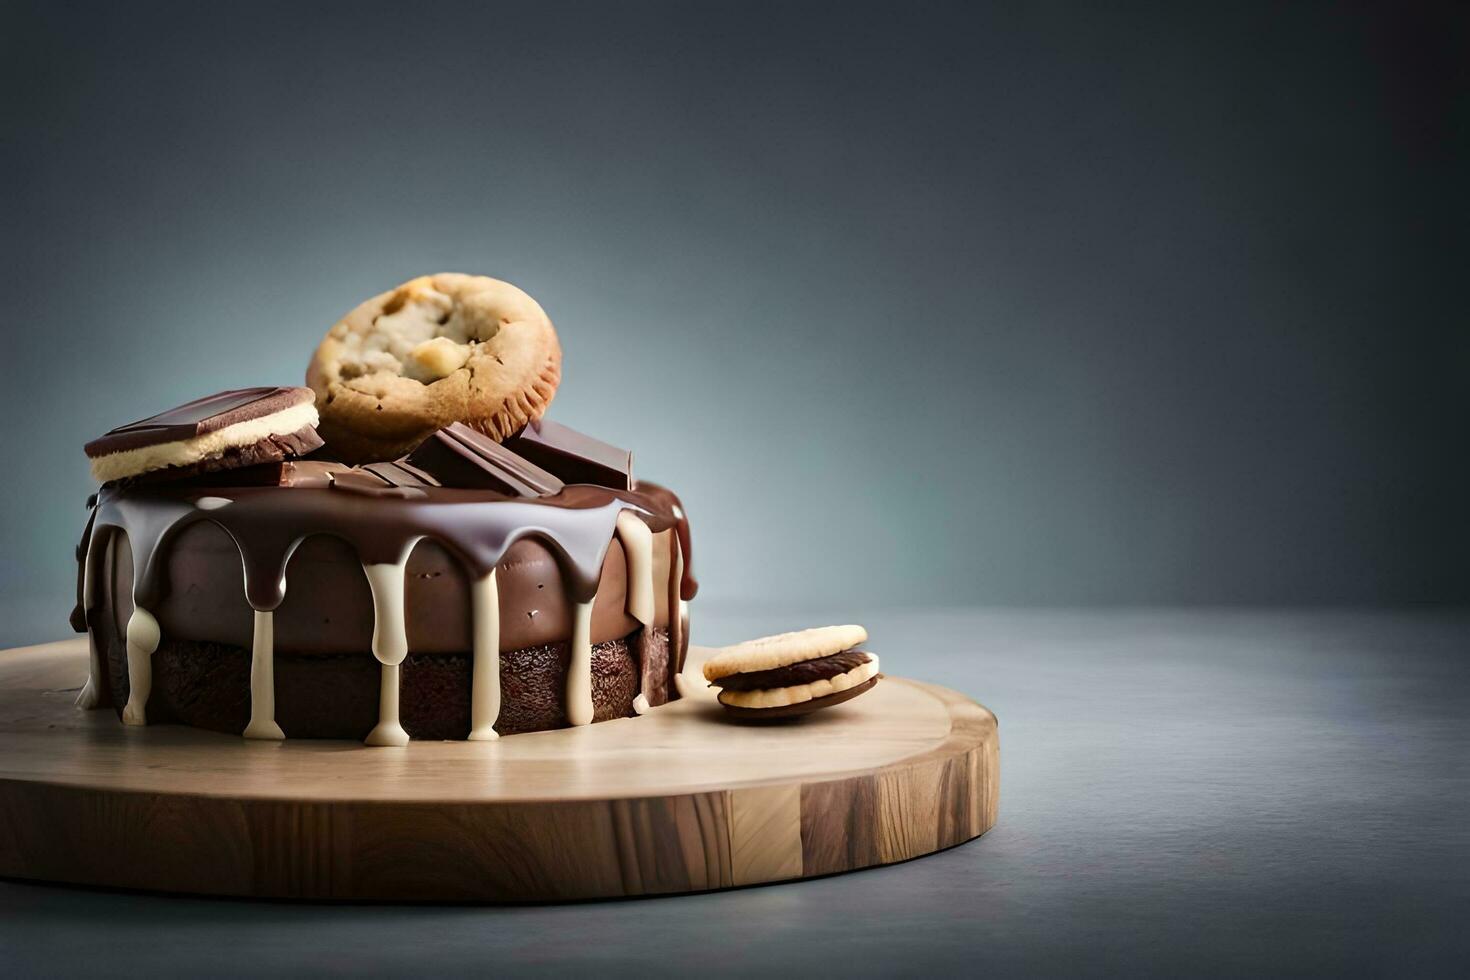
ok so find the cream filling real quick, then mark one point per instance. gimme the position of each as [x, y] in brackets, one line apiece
[780, 697]
[187, 452]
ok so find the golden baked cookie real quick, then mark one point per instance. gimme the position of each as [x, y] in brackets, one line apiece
[783, 649]
[436, 350]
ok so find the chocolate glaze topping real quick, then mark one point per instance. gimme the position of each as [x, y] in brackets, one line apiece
[670, 503]
[267, 523]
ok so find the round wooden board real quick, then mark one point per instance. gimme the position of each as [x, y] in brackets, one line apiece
[678, 800]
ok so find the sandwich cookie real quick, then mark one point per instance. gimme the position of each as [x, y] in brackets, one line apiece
[793, 673]
[229, 430]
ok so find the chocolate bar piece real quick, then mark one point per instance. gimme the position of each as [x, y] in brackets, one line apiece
[401, 473]
[195, 418]
[367, 482]
[307, 473]
[458, 456]
[574, 456]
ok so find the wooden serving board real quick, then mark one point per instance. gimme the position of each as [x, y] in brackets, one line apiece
[678, 800]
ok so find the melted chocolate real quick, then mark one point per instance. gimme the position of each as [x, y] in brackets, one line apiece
[671, 504]
[79, 611]
[268, 523]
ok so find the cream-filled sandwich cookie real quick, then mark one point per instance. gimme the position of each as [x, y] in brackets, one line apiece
[229, 430]
[793, 673]
[436, 350]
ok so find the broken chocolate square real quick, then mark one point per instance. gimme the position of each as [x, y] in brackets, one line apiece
[304, 473]
[367, 482]
[401, 473]
[200, 416]
[458, 456]
[574, 456]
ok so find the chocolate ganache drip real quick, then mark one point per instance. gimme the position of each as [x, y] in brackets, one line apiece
[267, 524]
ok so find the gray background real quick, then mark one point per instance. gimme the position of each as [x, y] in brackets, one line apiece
[918, 306]
[915, 305]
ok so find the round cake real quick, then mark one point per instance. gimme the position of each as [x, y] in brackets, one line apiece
[447, 614]
[237, 574]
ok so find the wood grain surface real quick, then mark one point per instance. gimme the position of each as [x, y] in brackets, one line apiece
[678, 800]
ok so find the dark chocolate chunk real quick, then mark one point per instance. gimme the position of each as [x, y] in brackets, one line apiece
[307, 473]
[369, 483]
[574, 456]
[805, 672]
[208, 414]
[790, 711]
[402, 473]
[458, 456]
[218, 471]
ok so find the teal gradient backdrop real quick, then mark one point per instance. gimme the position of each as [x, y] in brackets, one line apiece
[915, 304]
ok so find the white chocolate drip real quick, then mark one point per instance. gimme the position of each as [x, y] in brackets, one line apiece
[579, 671]
[485, 678]
[638, 548]
[91, 695]
[263, 680]
[678, 608]
[388, 731]
[390, 646]
[142, 639]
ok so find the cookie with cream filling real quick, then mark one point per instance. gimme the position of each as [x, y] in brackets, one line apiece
[436, 350]
[793, 673]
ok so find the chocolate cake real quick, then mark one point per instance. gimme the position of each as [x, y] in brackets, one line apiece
[320, 600]
[238, 574]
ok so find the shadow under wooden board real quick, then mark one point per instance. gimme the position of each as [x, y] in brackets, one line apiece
[678, 800]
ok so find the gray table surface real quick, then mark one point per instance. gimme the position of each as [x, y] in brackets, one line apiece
[1183, 793]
